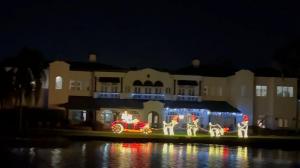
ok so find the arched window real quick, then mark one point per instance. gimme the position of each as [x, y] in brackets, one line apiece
[158, 84]
[58, 82]
[148, 83]
[137, 83]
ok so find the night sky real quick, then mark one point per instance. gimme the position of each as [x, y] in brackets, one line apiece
[151, 33]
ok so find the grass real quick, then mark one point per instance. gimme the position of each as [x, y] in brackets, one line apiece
[42, 136]
[156, 134]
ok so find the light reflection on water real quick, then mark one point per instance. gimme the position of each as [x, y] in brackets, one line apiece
[104, 154]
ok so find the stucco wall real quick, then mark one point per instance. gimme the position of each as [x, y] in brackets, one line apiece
[198, 79]
[85, 79]
[273, 107]
[285, 107]
[144, 75]
[238, 90]
[241, 87]
[216, 88]
[58, 68]
[264, 105]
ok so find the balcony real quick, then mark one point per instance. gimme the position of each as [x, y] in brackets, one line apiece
[108, 95]
[147, 96]
[187, 98]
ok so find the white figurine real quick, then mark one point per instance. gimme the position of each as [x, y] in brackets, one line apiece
[243, 128]
[169, 127]
[192, 128]
[215, 130]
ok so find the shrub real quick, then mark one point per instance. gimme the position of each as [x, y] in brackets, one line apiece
[97, 126]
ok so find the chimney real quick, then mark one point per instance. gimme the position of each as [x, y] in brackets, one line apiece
[196, 63]
[92, 57]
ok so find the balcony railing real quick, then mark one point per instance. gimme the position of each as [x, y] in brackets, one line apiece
[187, 98]
[107, 95]
[147, 96]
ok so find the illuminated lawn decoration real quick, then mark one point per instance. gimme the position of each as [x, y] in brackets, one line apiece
[192, 128]
[261, 123]
[127, 124]
[243, 127]
[169, 127]
[215, 130]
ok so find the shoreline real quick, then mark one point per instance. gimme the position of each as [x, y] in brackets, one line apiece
[61, 138]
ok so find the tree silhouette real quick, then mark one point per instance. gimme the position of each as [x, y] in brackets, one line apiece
[6, 87]
[22, 76]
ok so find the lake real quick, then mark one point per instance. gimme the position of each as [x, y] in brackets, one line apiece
[110, 154]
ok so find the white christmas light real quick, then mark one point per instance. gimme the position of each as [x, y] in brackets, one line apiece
[215, 130]
[243, 127]
[192, 128]
[168, 128]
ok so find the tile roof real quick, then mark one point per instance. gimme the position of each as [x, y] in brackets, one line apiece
[83, 102]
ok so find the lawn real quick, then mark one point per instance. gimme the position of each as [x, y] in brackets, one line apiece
[44, 136]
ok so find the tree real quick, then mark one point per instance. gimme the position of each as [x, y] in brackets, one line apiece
[22, 76]
[5, 87]
[28, 74]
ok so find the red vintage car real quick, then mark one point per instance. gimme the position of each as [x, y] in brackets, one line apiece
[120, 126]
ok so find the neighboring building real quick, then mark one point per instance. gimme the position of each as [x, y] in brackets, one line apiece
[95, 92]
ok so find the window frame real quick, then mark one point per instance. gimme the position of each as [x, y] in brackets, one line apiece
[261, 90]
[59, 84]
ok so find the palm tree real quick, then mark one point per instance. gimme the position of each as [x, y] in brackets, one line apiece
[22, 76]
[29, 72]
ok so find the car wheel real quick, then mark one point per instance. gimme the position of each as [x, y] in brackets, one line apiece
[118, 128]
[147, 131]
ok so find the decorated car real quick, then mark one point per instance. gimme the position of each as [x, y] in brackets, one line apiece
[127, 124]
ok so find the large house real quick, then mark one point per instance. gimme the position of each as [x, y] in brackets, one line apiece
[90, 91]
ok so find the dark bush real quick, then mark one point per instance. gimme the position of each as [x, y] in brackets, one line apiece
[97, 126]
[31, 118]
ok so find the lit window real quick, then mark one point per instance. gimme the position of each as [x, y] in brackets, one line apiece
[261, 90]
[75, 85]
[282, 123]
[279, 91]
[285, 91]
[58, 82]
[291, 91]
[83, 116]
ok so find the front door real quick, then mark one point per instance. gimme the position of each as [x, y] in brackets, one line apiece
[153, 119]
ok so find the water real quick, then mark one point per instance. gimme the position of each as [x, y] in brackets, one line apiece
[142, 155]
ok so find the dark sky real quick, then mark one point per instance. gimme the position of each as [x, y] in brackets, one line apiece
[150, 33]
